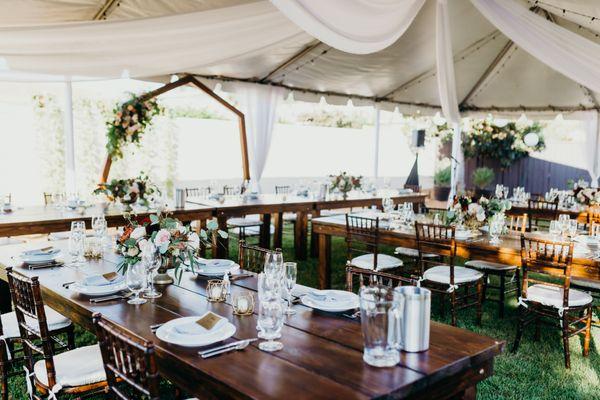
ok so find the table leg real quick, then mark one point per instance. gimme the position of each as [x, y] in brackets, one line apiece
[300, 235]
[201, 225]
[314, 241]
[221, 245]
[324, 261]
[5, 302]
[278, 223]
[265, 232]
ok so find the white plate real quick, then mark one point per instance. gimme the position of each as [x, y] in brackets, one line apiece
[350, 301]
[104, 290]
[39, 259]
[585, 239]
[216, 273]
[167, 333]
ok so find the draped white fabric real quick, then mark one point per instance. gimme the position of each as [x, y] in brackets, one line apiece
[152, 46]
[568, 53]
[261, 111]
[593, 146]
[353, 26]
[447, 90]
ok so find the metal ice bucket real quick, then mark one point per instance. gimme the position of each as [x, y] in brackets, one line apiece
[180, 198]
[412, 306]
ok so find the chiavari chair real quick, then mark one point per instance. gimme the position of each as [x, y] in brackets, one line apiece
[359, 277]
[77, 371]
[541, 210]
[517, 224]
[362, 236]
[285, 191]
[446, 279]
[197, 192]
[542, 299]
[593, 215]
[242, 226]
[282, 190]
[252, 258]
[48, 198]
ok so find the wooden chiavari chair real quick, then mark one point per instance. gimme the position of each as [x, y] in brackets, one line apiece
[252, 258]
[242, 226]
[197, 192]
[541, 210]
[48, 198]
[128, 361]
[447, 279]
[78, 371]
[229, 190]
[282, 190]
[557, 301]
[359, 277]
[362, 236]
[517, 224]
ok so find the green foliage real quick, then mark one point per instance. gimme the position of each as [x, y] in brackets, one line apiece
[130, 190]
[344, 182]
[483, 177]
[443, 177]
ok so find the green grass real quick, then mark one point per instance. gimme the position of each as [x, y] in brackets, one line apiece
[535, 372]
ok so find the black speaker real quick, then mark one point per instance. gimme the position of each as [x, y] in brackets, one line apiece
[418, 138]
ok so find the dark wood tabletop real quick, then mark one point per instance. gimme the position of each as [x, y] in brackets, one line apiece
[507, 252]
[321, 358]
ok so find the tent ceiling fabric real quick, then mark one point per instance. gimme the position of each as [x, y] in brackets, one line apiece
[250, 45]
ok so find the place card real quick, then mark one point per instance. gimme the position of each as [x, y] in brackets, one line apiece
[209, 320]
[110, 276]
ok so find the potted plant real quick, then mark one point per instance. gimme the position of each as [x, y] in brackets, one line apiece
[482, 178]
[441, 184]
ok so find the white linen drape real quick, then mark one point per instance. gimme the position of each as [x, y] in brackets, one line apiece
[261, 111]
[568, 53]
[592, 146]
[447, 91]
[353, 26]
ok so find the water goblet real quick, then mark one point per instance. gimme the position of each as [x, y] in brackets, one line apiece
[555, 228]
[270, 322]
[77, 242]
[136, 281]
[291, 273]
[151, 259]
[274, 264]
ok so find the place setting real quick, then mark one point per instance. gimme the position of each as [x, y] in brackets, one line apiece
[46, 257]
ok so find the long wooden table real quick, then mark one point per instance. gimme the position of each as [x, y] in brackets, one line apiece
[508, 252]
[321, 359]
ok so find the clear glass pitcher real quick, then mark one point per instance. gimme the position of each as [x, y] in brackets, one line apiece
[379, 320]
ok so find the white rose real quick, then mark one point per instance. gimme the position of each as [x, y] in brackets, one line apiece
[194, 240]
[481, 216]
[473, 208]
[138, 232]
[133, 251]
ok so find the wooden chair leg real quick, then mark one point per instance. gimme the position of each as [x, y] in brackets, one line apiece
[71, 337]
[453, 307]
[538, 329]
[485, 285]
[520, 327]
[565, 337]
[443, 305]
[588, 333]
[479, 301]
[4, 367]
[502, 294]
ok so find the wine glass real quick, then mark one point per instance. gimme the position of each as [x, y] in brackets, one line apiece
[152, 261]
[270, 322]
[274, 264]
[136, 280]
[99, 226]
[291, 273]
[555, 228]
[77, 242]
[572, 228]
[496, 227]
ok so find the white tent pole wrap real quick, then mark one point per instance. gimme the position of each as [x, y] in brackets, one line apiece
[377, 133]
[70, 178]
[447, 91]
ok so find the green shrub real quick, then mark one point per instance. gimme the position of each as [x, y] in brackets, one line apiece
[483, 177]
[442, 177]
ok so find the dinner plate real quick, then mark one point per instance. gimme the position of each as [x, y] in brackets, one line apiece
[348, 301]
[167, 333]
[103, 290]
[215, 270]
[34, 259]
[585, 239]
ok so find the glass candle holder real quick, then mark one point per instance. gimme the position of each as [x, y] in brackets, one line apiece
[243, 304]
[216, 291]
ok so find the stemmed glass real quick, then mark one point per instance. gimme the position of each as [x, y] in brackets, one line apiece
[555, 228]
[151, 259]
[291, 273]
[572, 228]
[270, 322]
[136, 280]
[496, 227]
[99, 226]
[77, 242]
[274, 264]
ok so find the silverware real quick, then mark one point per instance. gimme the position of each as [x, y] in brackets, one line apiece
[354, 315]
[46, 265]
[240, 276]
[239, 346]
[155, 326]
[111, 298]
[67, 284]
[225, 346]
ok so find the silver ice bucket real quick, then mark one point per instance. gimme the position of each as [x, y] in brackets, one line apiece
[412, 306]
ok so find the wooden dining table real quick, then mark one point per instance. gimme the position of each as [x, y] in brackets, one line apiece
[321, 358]
[507, 252]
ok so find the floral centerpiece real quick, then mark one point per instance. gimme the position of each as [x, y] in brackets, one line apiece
[585, 195]
[177, 244]
[465, 212]
[344, 183]
[129, 191]
[494, 206]
[131, 119]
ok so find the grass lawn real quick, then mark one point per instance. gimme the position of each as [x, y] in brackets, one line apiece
[535, 372]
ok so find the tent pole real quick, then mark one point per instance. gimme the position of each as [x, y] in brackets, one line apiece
[69, 138]
[376, 142]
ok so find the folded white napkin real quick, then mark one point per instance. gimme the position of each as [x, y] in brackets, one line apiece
[99, 280]
[193, 328]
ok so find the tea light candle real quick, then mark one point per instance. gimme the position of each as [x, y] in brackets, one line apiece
[243, 304]
[216, 290]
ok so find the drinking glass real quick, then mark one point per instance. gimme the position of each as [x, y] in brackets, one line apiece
[496, 227]
[563, 220]
[99, 226]
[572, 228]
[379, 322]
[274, 264]
[77, 242]
[136, 280]
[555, 228]
[499, 191]
[151, 259]
[387, 204]
[291, 272]
[270, 322]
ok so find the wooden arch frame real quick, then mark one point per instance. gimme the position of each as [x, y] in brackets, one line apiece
[188, 79]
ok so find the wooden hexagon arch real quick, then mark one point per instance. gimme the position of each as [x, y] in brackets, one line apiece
[189, 79]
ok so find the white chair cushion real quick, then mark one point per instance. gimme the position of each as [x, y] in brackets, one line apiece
[383, 262]
[589, 284]
[441, 274]
[55, 320]
[414, 253]
[82, 366]
[481, 264]
[243, 222]
[553, 296]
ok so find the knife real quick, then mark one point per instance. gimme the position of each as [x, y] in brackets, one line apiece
[111, 298]
[225, 346]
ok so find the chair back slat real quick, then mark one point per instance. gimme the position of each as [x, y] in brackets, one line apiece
[282, 190]
[517, 224]
[27, 300]
[595, 228]
[539, 209]
[197, 192]
[228, 190]
[552, 258]
[439, 240]
[252, 258]
[362, 236]
[356, 278]
[127, 359]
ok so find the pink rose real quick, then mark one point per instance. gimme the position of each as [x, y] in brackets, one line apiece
[162, 237]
